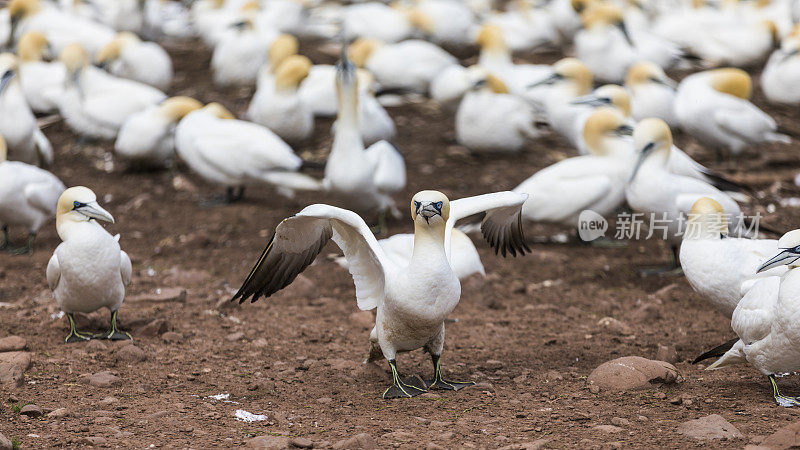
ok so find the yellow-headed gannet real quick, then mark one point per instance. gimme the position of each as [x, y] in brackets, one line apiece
[88, 269]
[42, 81]
[127, 56]
[781, 75]
[61, 27]
[413, 301]
[652, 93]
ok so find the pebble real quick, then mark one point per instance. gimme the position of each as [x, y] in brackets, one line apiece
[553, 375]
[493, 364]
[31, 411]
[12, 344]
[130, 354]
[269, 443]
[361, 441]
[101, 379]
[58, 413]
[301, 442]
[446, 436]
[233, 337]
[93, 440]
[620, 422]
[324, 400]
[95, 346]
[108, 401]
[615, 326]
[632, 372]
[709, 428]
[5, 443]
[171, 337]
[608, 428]
[667, 353]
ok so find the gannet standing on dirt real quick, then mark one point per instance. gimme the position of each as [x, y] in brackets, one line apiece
[241, 50]
[568, 80]
[279, 106]
[88, 270]
[127, 56]
[362, 179]
[713, 107]
[147, 138]
[61, 28]
[653, 189]
[28, 197]
[560, 192]
[781, 75]
[42, 82]
[652, 93]
[766, 321]
[412, 301]
[24, 139]
[719, 267]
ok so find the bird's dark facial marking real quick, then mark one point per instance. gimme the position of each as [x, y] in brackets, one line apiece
[77, 204]
[438, 206]
[417, 205]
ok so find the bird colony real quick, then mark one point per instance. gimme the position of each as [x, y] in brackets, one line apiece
[459, 175]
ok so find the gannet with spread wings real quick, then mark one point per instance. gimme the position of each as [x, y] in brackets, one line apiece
[413, 301]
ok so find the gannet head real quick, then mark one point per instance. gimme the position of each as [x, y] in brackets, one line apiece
[19, 10]
[79, 204]
[112, 51]
[430, 208]
[219, 111]
[652, 138]
[361, 49]
[3, 149]
[490, 82]
[572, 72]
[490, 38]
[731, 81]
[603, 14]
[706, 220]
[281, 48]
[32, 46]
[8, 69]
[603, 129]
[579, 6]
[75, 58]
[608, 95]
[291, 72]
[789, 252]
[419, 20]
[176, 108]
[347, 82]
[645, 72]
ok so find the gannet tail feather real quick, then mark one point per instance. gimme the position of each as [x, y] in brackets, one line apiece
[716, 351]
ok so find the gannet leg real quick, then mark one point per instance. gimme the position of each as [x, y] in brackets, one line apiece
[74, 335]
[399, 389]
[232, 195]
[439, 382]
[380, 229]
[780, 399]
[673, 270]
[114, 334]
[4, 244]
[27, 249]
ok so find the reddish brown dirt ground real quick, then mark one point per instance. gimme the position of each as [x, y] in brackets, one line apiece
[528, 333]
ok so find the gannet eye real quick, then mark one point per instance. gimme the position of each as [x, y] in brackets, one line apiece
[77, 204]
[796, 249]
[417, 205]
[439, 205]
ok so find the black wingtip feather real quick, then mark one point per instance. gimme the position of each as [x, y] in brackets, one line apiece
[716, 351]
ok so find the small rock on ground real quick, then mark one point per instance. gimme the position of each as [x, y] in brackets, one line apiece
[708, 428]
[360, 441]
[31, 411]
[269, 443]
[101, 379]
[130, 353]
[786, 437]
[5, 443]
[632, 372]
[12, 344]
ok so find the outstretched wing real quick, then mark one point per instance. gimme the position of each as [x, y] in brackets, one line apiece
[502, 226]
[299, 239]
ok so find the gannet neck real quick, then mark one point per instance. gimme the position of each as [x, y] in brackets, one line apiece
[428, 242]
[3, 150]
[347, 97]
[74, 224]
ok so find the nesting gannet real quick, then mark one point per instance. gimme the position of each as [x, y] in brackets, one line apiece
[25, 140]
[408, 65]
[464, 257]
[318, 91]
[489, 119]
[560, 192]
[525, 27]
[242, 50]
[713, 107]
[167, 19]
[609, 95]
[61, 27]
[765, 321]
[452, 83]
[96, 104]
[652, 93]
[88, 270]
[495, 57]
[146, 139]
[236, 153]
[569, 78]
[413, 300]
[363, 179]
[741, 43]
[376, 20]
[42, 82]
[279, 107]
[281, 48]
[28, 197]
[127, 56]
[719, 267]
[781, 75]
[653, 189]
[445, 22]
[566, 16]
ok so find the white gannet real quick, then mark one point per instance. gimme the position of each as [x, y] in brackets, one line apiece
[654, 189]
[568, 79]
[412, 301]
[445, 22]
[407, 65]
[42, 82]
[560, 192]
[147, 138]
[28, 197]
[127, 56]
[525, 27]
[88, 270]
[495, 56]
[378, 21]
[464, 257]
[608, 95]
[236, 153]
[719, 267]
[24, 139]
[451, 84]
[489, 119]
[279, 107]
[765, 321]
[781, 75]
[61, 27]
[164, 19]
[566, 16]
[242, 50]
[713, 107]
[96, 104]
[362, 179]
[281, 48]
[652, 93]
[741, 43]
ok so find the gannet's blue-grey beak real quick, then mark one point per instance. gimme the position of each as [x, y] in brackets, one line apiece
[591, 100]
[642, 156]
[785, 257]
[428, 209]
[547, 81]
[5, 80]
[93, 211]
